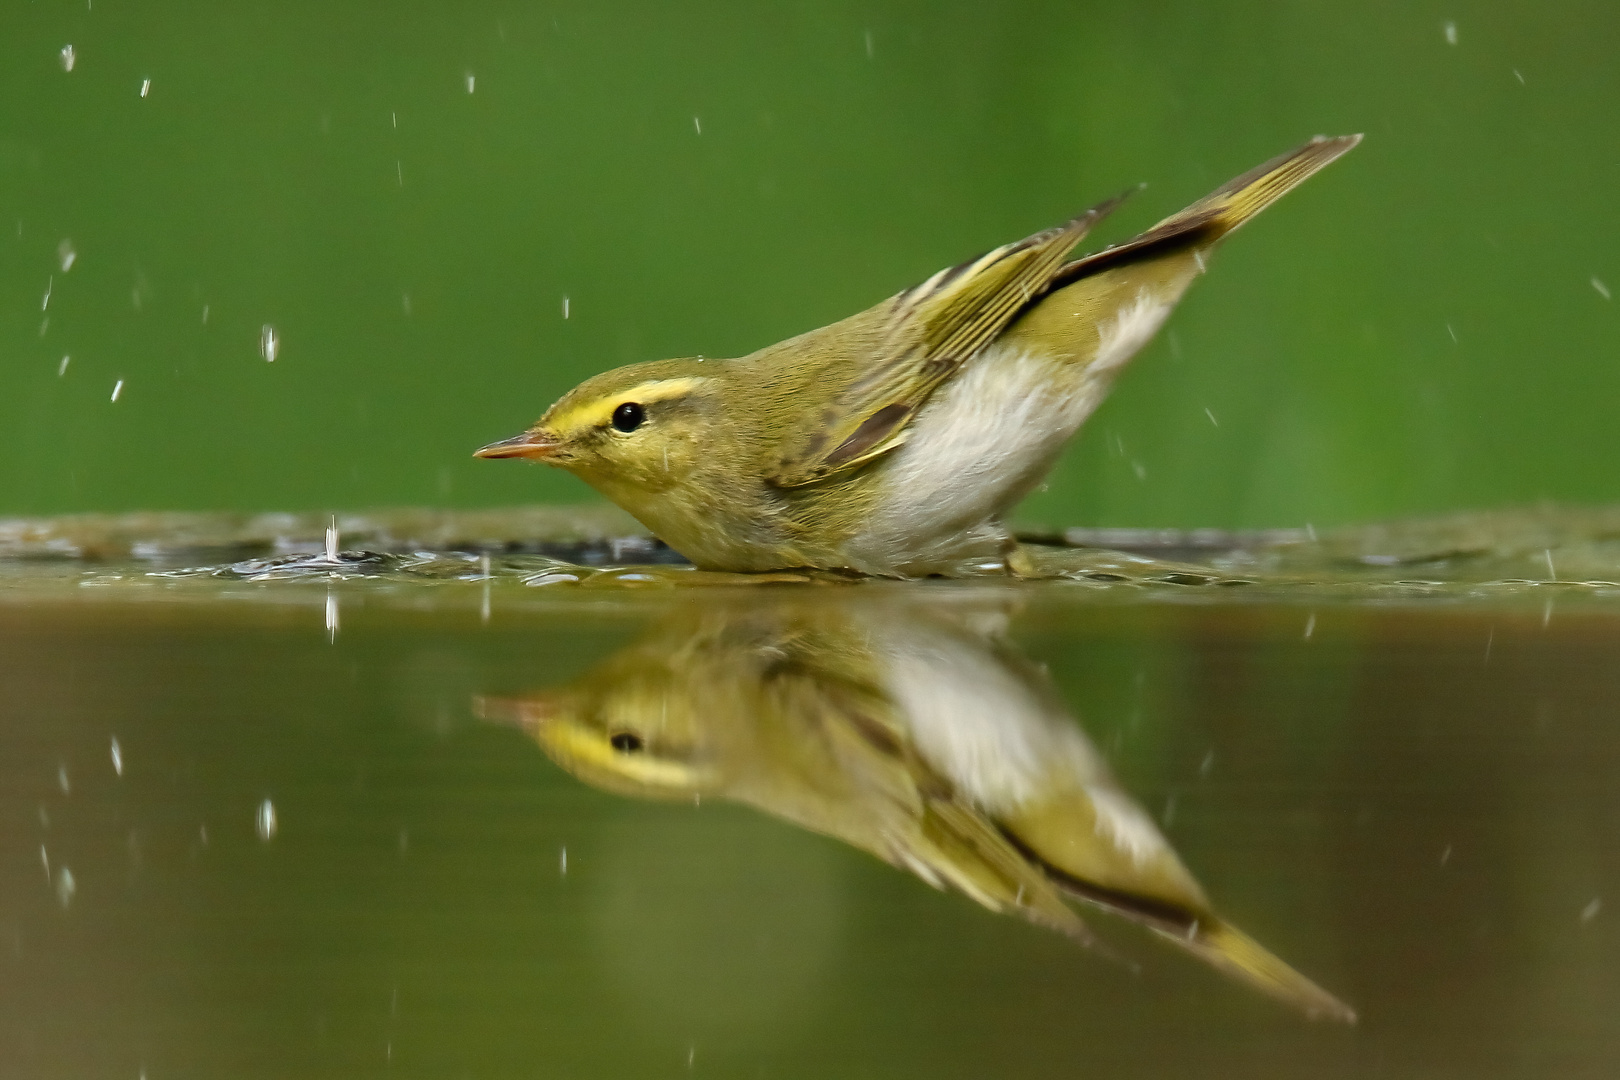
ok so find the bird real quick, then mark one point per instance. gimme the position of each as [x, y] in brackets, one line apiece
[894, 442]
[908, 729]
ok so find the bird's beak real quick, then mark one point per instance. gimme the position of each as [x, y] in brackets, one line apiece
[531, 444]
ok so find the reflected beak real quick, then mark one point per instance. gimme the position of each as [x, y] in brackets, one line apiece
[530, 444]
[527, 714]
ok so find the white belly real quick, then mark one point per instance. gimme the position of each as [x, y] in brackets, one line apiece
[983, 441]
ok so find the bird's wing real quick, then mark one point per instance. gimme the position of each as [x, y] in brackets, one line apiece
[933, 329]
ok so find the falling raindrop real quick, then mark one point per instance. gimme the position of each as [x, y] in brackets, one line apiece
[117, 757]
[61, 369]
[65, 255]
[146, 87]
[471, 82]
[65, 886]
[565, 305]
[118, 388]
[1602, 289]
[265, 820]
[62, 780]
[68, 57]
[1451, 33]
[269, 343]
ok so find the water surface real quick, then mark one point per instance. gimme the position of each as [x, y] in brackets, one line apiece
[259, 828]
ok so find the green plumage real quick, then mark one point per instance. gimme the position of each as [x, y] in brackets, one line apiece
[893, 442]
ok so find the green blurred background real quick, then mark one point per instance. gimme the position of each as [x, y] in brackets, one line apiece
[407, 193]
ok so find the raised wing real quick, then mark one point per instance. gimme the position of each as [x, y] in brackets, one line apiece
[933, 329]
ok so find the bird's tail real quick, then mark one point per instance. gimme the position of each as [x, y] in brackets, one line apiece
[1223, 209]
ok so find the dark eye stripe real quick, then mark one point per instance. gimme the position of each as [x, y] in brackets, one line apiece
[629, 416]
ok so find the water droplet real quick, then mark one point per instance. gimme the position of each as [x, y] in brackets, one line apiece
[118, 388]
[117, 757]
[1602, 289]
[1451, 33]
[562, 862]
[65, 255]
[61, 369]
[265, 820]
[68, 57]
[269, 343]
[471, 82]
[146, 87]
[65, 886]
[698, 124]
[62, 780]
[565, 305]
[1589, 912]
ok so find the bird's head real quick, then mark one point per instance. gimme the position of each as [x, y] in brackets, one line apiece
[642, 426]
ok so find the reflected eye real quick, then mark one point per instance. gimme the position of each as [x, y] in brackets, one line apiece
[625, 742]
[628, 417]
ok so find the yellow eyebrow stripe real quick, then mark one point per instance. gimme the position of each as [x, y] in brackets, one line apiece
[597, 413]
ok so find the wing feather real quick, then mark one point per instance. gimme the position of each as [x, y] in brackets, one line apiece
[933, 329]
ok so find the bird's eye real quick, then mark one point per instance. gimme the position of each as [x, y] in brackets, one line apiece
[629, 416]
[625, 742]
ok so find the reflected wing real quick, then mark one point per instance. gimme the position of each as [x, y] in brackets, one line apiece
[918, 820]
[934, 329]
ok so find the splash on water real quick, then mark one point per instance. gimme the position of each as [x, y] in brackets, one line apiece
[1496, 553]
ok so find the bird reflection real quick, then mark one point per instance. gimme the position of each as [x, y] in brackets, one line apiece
[910, 730]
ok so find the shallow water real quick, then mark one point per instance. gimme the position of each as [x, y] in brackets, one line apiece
[256, 826]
